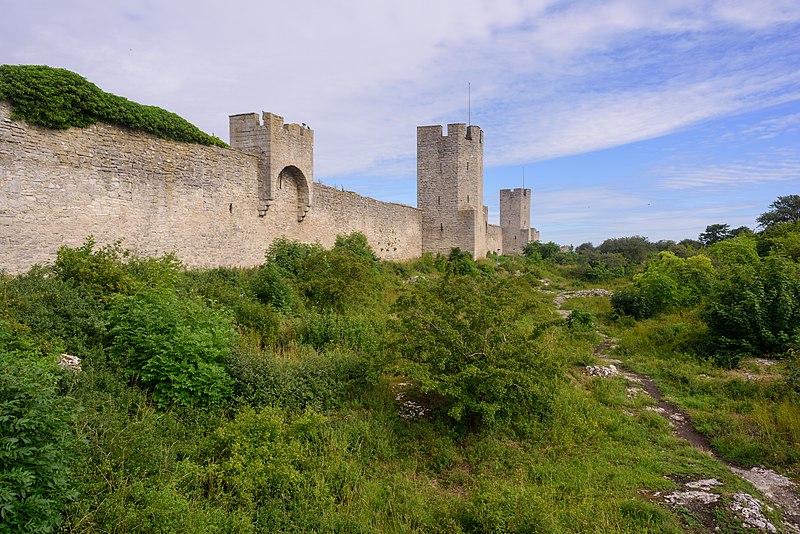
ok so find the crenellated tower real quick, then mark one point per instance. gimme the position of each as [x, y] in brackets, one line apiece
[286, 157]
[515, 219]
[450, 189]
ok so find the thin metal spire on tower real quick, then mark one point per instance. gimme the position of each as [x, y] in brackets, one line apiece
[469, 103]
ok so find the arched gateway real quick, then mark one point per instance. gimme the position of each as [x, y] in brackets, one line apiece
[286, 157]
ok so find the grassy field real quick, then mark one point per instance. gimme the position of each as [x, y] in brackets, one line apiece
[261, 401]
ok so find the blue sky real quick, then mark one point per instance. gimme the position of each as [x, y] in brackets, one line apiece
[627, 116]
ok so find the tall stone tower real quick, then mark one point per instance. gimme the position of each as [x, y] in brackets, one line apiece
[450, 189]
[515, 219]
[286, 157]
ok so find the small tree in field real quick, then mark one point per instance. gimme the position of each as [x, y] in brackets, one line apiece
[457, 337]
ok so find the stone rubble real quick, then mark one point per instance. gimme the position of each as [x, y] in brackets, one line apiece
[69, 362]
[602, 371]
[749, 509]
[685, 498]
[408, 408]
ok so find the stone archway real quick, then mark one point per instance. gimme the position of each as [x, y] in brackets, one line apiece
[292, 181]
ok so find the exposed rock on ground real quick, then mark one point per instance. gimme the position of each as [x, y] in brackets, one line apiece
[69, 362]
[601, 371]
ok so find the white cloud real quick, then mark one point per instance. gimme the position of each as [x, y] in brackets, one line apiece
[549, 79]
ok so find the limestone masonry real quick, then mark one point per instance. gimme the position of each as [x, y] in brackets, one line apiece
[223, 207]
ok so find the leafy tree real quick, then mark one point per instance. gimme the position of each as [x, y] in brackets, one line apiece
[668, 282]
[715, 233]
[458, 338]
[755, 310]
[636, 248]
[545, 251]
[784, 209]
[356, 243]
[742, 230]
[781, 238]
[741, 250]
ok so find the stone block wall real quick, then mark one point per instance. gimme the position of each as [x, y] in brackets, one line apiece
[494, 239]
[157, 196]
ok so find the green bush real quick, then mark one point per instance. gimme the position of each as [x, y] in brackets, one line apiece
[580, 319]
[36, 444]
[755, 310]
[272, 287]
[669, 282]
[290, 255]
[258, 457]
[318, 381]
[460, 338]
[58, 98]
[356, 243]
[339, 280]
[358, 333]
[61, 312]
[175, 346]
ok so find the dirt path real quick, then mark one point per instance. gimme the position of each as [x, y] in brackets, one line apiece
[781, 491]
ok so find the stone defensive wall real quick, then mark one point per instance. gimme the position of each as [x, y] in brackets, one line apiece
[202, 203]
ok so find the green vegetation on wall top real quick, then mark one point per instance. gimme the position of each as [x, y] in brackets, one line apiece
[60, 99]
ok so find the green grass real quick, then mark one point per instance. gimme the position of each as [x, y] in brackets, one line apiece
[311, 441]
[749, 414]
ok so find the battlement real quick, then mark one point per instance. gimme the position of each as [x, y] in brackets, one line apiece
[285, 152]
[456, 131]
[524, 191]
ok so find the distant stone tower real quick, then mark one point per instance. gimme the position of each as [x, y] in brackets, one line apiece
[286, 158]
[515, 219]
[450, 189]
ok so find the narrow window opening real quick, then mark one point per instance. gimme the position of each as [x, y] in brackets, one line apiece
[230, 207]
[439, 200]
[441, 227]
[468, 165]
[467, 199]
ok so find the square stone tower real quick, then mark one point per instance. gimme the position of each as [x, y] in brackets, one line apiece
[450, 189]
[285, 152]
[515, 219]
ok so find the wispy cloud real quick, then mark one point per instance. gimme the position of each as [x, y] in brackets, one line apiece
[736, 174]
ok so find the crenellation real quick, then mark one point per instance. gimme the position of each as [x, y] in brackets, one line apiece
[214, 206]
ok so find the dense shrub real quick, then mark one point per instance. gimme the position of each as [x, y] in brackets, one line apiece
[272, 287]
[669, 282]
[61, 312]
[321, 381]
[339, 279]
[58, 98]
[174, 346]
[36, 445]
[257, 457]
[458, 337]
[580, 319]
[755, 310]
[290, 255]
[356, 243]
[461, 262]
